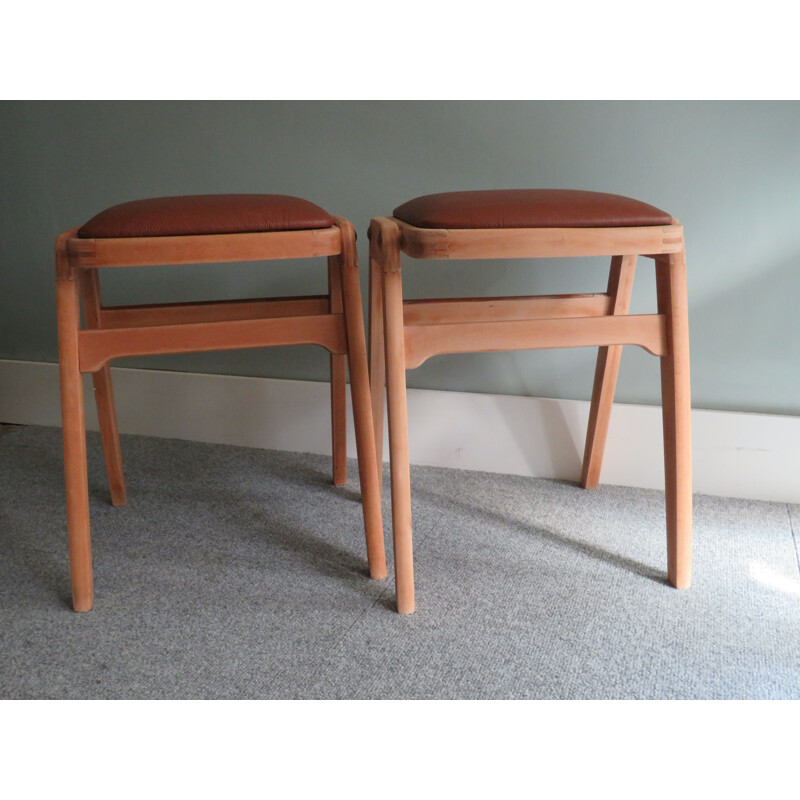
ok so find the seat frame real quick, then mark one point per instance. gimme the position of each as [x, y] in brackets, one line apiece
[403, 334]
[333, 321]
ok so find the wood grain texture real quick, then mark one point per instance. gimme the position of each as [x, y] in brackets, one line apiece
[212, 249]
[377, 372]
[620, 284]
[495, 309]
[676, 413]
[104, 393]
[398, 441]
[424, 341]
[98, 347]
[338, 362]
[429, 243]
[368, 473]
[74, 432]
[211, 311]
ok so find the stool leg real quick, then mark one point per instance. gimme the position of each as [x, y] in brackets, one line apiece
[104, 394]
[620, 283]
[676, 413]
[338, 383]
[398, 423]
[109, 433]
[359, 391]
[74, 430]
[377, 364]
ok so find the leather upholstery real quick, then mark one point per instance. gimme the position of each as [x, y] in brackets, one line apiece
[529, 208]
[206, 214]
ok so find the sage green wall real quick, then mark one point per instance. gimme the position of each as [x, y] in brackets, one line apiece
[730, 171]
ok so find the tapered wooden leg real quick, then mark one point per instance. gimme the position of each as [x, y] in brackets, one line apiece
[620, 283]
[104, 394]
[74, 430]
[377, 366]
[676, 412]
[359, 391]
[398, 421]
[338, 383]
[107, 415]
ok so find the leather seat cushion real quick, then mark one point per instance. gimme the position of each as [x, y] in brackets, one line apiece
[529, 208]
[206, 214]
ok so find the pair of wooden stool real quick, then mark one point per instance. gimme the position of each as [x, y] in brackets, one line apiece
[403, 334]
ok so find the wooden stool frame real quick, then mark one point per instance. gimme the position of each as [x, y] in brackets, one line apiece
[333, 321]
[403, 334]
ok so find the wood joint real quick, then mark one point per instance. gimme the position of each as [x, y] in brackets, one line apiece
[65, 271]
[385, 236]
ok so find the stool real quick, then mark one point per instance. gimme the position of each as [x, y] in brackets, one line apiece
[536, 223]
[193, 230]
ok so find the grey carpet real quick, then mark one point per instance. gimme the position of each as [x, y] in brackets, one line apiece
[238, 573]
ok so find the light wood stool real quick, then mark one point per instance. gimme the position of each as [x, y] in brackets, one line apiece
[193, 230]
[535, 223]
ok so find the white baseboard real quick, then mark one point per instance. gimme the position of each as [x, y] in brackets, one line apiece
[755, 456]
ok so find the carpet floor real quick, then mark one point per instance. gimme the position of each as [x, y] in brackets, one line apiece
[240, 573]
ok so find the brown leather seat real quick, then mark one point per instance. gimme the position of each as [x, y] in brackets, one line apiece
[529, 208]
[206, 214]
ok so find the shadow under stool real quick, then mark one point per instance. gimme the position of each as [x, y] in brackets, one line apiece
[532, 223]
[194, 230]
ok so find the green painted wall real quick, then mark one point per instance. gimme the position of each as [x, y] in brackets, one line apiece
[730, 171]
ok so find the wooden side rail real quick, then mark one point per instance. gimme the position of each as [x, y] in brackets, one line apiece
[644, 330]
[98, 347]
[210, 311]
[453, 243]
[207, 249]
[488, 309]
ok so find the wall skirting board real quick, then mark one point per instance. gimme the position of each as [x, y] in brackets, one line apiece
[755, 456]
